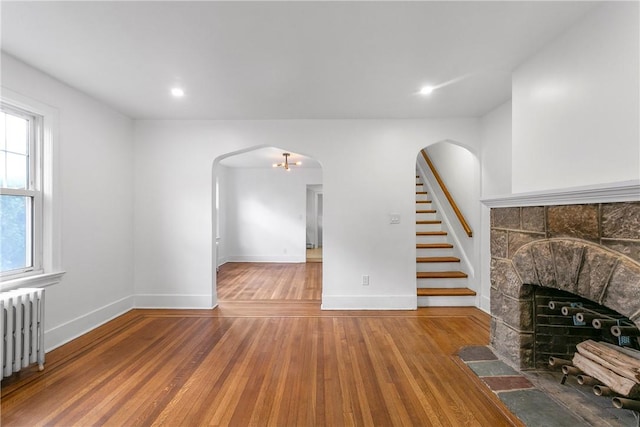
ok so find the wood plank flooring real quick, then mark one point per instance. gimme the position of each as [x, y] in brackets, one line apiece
[314, 255]
[262, 363]
[251, 281]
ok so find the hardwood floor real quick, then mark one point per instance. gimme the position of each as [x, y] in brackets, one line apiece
[314, 255]
[262, 363]
[251, 281]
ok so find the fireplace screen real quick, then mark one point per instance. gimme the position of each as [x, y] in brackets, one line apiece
[563, 320]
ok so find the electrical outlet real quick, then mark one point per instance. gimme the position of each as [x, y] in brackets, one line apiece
[365, 280]
[394, 219]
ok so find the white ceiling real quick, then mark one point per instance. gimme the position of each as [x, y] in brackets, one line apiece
[286, 60]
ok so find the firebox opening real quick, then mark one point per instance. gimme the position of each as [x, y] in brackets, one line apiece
[562, 320]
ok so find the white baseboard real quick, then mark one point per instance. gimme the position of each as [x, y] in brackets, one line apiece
[173, 301]
[485, 304]
[369, 302]
[268, 258]
[62, 334]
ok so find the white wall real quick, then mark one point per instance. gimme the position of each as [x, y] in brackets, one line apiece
[495, 163]
[576, 105]
[222, 176]
[459, 169]
[311, 218]
[319, 199]
[362, 184]
[495, 151]
[96, 204]
[314, 215]
[266, 211]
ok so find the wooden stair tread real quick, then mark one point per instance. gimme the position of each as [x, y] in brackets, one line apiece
[431, 233]
[437, 259]
[424, 201]
[429, 221]
[441, 275]
[434, 246]
[445, 292]
[421, 192]
[426, 211]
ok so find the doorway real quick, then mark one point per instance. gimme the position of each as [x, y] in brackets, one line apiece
[314, 223]
[260, 226]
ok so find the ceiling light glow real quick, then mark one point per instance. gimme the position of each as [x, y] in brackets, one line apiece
[177, 92]
[426, 90]
[286, 165]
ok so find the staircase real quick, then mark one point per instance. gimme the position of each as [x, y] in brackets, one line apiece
[440, 281]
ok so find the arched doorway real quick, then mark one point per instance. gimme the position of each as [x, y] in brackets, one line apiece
[447, 213]
[260, 221]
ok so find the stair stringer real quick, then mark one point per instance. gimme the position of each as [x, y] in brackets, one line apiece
[452, 231]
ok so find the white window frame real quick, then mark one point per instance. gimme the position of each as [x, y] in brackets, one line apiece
[33, 192]
[47, 259]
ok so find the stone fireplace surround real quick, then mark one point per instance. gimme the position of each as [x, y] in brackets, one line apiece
[591, 250]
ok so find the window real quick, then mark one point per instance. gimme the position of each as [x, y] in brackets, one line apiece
[29, 209]
[20, 192]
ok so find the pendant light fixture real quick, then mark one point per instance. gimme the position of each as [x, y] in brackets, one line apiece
[286, 165]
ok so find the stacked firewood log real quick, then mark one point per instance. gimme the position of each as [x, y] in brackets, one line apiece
[616, 367]
[611, 369]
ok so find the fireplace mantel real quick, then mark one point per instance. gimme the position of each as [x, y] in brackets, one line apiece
[625, 191]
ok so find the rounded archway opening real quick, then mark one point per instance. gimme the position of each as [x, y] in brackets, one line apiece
[447, 214]
[265, 220]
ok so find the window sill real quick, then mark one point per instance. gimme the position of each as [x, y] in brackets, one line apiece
[36, 281]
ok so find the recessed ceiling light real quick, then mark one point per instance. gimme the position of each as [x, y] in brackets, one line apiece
[177, 92]
[426, 90]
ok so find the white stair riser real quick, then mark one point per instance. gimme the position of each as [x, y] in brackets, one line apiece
[434, 252]
[431, 239]
[448, 301]
[428, 227]
[443, 283]
[426, 217]
[438, 266]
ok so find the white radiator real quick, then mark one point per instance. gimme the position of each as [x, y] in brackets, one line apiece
[22, 328]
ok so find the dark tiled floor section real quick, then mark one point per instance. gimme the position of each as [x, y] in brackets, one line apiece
[595, 410]
[475, 353]
[535, 408]
[530, 405]
[507, 383]
[491, 368]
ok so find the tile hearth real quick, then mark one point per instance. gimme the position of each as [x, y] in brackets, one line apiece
[538, 398]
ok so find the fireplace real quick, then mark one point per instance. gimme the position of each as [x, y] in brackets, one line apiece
[590, 251]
